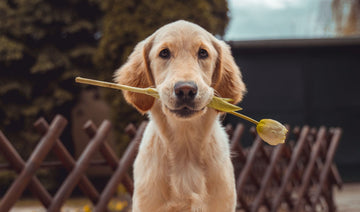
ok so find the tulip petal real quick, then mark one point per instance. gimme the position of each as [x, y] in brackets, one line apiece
[271, 131]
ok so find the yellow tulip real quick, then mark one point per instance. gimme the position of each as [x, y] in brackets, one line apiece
[271, 131]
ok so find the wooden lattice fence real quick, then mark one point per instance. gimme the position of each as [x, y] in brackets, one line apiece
[296, 176]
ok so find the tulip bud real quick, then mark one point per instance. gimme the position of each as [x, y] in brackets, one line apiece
[271, 131]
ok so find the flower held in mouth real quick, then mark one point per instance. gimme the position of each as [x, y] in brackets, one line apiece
[269, 130]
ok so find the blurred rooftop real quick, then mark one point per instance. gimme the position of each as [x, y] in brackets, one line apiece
[297, 42]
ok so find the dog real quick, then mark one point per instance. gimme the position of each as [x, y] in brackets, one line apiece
[183, 163]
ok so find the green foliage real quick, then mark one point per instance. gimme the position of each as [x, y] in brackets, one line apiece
[43, 46]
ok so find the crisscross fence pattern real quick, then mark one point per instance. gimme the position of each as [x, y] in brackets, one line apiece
[76, 177]
[297, 176]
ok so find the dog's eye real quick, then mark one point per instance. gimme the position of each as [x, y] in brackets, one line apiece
[203, 54]
[165, 54]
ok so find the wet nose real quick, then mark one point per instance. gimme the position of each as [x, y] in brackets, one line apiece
[185, 90]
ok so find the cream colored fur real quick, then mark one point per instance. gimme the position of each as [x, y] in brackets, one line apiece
[183, 164]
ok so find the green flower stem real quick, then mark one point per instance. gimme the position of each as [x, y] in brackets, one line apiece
[149, 91]
[107, 84]
[244, 117]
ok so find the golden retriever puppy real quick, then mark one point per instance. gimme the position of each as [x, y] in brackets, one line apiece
[183, 162]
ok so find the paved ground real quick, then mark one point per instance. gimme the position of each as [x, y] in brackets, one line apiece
[348, 200]
[73, 205]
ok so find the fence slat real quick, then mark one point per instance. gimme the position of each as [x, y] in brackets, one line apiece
[238, 153]
[37, 156]
[73, 178]
[291, 167]
[109, 156]
[126, 160]
[247, 169]
[68, 161]
[310, 167]
[18, 164]
[327, 166]
[267, 177]
[334, 173]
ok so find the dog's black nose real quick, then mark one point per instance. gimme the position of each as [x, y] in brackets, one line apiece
[185, 90]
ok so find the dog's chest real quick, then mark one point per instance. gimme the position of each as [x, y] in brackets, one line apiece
[187, 169]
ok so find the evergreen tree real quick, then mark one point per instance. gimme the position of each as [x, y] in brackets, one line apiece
[44, 44]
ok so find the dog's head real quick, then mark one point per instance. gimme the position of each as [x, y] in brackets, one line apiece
[187, 65]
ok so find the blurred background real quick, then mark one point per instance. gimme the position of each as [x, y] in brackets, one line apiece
[300, 60]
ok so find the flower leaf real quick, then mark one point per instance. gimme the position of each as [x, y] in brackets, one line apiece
[222, 104]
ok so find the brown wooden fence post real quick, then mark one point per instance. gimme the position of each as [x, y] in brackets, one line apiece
[291, 167]
[246, 170]
[327, 166]
[267, 177]
[238, 153]
[109, 155]
[34, 162]
[310, 167]
[18, 164]
[123, 166]
[68, 161]
[73, 178]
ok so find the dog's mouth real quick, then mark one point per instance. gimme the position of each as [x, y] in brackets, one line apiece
[185, 111]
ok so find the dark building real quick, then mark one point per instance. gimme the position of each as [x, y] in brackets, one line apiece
[306, 81]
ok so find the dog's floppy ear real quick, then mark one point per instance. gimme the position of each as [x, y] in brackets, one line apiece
[136, 72]
[227, 78]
